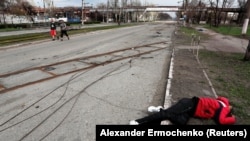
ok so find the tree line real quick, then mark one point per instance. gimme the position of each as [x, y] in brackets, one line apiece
[194, 11]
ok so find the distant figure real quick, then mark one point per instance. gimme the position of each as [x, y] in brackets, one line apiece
[53, 29]
[64, 29]
[217, 109]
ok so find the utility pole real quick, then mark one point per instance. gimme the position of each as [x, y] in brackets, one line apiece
[244, 30]
[108, 11]
[246, 21]
[82, 12]
[44, 12]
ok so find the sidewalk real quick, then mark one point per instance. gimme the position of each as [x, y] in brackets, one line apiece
[189, 77]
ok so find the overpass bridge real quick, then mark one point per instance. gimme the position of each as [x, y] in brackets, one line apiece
[145, 9]
[131, 13]
[142, 9]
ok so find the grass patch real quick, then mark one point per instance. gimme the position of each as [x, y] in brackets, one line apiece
[15, 39]
[230, 77]
[189, 31]
[8, 29]
[184, 35]
[229, 30]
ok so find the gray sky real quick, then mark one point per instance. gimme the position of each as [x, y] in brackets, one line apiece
[62, 3]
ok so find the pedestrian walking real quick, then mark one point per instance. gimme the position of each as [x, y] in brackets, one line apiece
[64, 30]
[217, 109]
[53, 29]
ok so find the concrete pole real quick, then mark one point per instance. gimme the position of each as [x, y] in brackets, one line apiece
[82, 12]
[244, 30]
[246, 21]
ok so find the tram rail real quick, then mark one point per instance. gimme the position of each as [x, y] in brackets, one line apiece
[135, 51]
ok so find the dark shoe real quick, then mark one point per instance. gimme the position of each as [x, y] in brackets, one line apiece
[68, 38]
[53, 39]
[57, 37]
[61, 39]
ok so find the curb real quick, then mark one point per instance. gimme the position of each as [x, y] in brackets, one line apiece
[167, 102]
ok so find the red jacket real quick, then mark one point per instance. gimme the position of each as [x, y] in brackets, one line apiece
[217, 109]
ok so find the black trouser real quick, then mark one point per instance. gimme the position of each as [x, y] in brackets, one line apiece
[178, 113]
[64, 32]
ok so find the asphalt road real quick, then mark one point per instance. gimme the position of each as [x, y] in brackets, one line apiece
[60, 90]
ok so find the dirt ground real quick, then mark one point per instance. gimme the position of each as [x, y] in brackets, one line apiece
[189, 76]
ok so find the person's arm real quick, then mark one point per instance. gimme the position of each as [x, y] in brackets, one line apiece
[226, 117]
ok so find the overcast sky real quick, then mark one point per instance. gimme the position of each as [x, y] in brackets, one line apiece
[62, 3]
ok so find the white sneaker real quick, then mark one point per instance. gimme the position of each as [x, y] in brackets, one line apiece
[133, 122]
[152, 109]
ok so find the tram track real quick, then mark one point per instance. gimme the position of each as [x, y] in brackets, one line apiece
[88, 62]
[114, 56]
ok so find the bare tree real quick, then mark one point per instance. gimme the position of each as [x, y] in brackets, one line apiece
[228, 4]
[244, 30]
[22, 8]
[135, 3]
[102, 6]
[247, 54]
[217, 7]
[123, 12]
[191, 10]
[4, 8]
[247, 16]
[242, 6]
